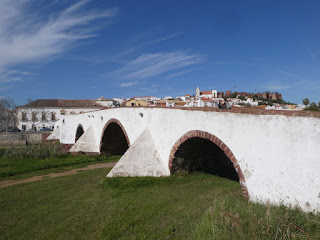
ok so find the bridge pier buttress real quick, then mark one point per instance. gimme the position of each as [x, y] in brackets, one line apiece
[140, 160]
[86, 143]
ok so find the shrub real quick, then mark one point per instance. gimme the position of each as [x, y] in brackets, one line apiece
[39, 151]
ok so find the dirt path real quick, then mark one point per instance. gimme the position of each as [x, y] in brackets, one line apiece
[52, 175]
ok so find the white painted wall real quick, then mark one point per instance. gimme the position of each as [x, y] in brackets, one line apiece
[48, 123]
[278, 155]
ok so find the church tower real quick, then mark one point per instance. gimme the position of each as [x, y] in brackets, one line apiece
[197, 93]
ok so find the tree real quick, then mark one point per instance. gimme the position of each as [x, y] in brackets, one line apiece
[306, 101]
[243, 98]
[7, 116]
[319, 104]
[313, 107]
[234, 95]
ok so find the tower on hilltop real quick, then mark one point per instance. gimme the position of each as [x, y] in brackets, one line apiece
[197, 93]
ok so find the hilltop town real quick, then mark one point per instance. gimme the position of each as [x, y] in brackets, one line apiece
[46, 113]
[212, 98]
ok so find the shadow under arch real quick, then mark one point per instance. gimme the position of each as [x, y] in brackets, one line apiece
[114, 138]
[194, 134]
[79, 132]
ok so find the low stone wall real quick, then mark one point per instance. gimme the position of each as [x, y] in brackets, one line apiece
[20, 138]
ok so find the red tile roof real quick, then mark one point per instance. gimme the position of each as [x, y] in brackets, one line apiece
[63, 103]
[206, 92]
[207, 100]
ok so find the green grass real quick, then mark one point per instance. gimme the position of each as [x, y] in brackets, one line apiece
[25, 167]
[229, 219]
[89, 206]
[39, 151]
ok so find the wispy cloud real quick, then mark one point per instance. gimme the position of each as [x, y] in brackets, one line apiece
[128, 84]
[274, 86]
[177, 74]
[11, 76]
[221, 62]
[164, 38]
[286, 80]
[148, 38]
[26, 36]
[288, 74]
[150, 65]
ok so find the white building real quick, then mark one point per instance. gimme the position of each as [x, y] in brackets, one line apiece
[207, 102]
[46, 113]
[147, 98]
[251, 102]
[104, 101]
[168, 97]
[206, 94]
[118, 101]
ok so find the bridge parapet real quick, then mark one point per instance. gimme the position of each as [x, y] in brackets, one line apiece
[253, 111]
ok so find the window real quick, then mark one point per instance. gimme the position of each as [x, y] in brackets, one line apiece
[133, 104]
[52, 127]
[63, 112]
[34, 116]
[53, 116]
[44, 117]
[24, 128]
[24, 116]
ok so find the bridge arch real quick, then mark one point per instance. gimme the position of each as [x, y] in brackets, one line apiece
[197, 134]
[114, 138]
[79, 132]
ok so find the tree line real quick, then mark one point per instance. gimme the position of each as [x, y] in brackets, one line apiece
[312, 107]
[7, 113]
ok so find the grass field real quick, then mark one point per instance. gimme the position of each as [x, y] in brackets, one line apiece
[187, 206]
[25, 161]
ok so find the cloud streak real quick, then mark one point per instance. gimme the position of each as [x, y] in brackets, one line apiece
[27, 37]
[146, 42]
[128, 84]
[150, 65]
[180, 73]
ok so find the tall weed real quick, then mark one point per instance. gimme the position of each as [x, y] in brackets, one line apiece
[38, 151]
[237, 219]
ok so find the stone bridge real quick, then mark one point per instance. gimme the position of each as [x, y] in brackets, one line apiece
[273, 154]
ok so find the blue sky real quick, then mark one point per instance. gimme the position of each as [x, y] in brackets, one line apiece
[82, 49]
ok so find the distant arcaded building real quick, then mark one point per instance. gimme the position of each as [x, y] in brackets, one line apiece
[46, 113]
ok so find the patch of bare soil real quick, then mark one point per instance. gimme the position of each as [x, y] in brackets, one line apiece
[52, 175]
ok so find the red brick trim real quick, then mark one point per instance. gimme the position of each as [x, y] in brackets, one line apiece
[113, 120]
[66, 147]
[221, 145]
[44, 137]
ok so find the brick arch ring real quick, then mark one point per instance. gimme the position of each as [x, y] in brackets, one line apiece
[113, 120]
[221, 145]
